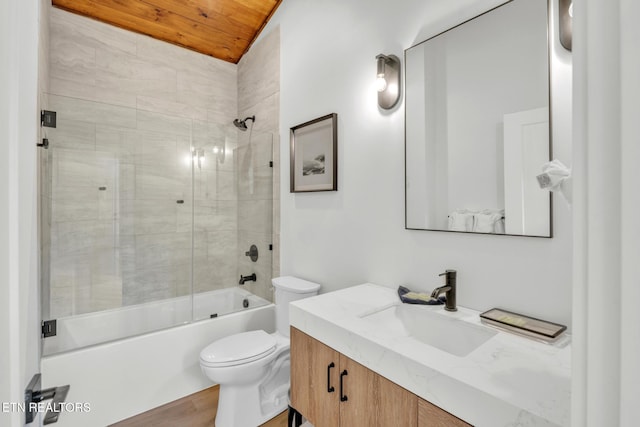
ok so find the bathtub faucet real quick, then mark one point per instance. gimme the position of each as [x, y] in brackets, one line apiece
[251, 278]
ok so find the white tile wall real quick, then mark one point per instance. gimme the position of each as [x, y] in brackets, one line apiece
[259, 205]
[129, 108]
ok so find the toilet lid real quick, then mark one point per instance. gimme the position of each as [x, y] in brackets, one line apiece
[238, 349]
[295, 285]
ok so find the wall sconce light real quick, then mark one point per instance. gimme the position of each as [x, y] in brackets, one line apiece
[566, 23]
[388, 81]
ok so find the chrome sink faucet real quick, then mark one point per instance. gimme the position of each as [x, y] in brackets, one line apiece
[449, 290]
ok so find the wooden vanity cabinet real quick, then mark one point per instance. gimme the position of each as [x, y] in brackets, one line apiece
[430, 415]
[314, 380]
[373, 400]
[363, 399]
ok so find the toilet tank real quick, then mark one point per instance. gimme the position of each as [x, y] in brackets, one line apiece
[287, 289]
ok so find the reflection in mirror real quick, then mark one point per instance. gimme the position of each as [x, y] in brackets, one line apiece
[477, 125]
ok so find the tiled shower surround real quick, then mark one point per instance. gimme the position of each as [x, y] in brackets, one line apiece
[259, 95]
[146, 176]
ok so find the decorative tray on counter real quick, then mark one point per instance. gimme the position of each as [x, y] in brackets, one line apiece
[524, 325]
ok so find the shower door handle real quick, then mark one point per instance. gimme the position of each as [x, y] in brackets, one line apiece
[330, 388]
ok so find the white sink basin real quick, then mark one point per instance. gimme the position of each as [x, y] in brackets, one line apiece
[440, 330]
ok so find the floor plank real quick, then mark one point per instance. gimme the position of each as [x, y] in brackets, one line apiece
[278, 421]
[196, 410]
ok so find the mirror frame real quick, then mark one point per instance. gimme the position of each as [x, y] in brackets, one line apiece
[550, 35]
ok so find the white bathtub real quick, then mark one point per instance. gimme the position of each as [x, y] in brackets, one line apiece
[83, 330]
[122, 378]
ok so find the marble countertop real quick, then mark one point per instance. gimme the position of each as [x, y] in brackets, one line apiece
[507, 381]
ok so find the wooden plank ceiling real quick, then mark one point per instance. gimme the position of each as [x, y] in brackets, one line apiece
[223, 29]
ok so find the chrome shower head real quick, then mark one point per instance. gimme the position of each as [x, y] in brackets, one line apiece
[242, 124]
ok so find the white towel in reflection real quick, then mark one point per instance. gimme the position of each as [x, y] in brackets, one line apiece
[489, 221]
[461, 220]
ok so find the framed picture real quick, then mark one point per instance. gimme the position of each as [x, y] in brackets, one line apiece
[314, 155]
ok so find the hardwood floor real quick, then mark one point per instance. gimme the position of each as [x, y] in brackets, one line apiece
[279, 421]
[196, 410]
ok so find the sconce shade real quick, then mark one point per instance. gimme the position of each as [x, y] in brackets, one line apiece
[381, 82]
[388, 81]
[566, 23]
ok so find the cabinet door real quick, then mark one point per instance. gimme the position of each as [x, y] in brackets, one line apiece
[430, 415]
[312, 377]
[372, 400]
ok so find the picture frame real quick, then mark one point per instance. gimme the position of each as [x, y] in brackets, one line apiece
[314, 155]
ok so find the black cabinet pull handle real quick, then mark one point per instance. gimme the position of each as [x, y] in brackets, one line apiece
[343, 398]
[330, 388]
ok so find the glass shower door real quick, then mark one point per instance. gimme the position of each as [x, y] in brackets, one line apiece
[255, 210]
[233, 203]
[146, 221]
[116, 222]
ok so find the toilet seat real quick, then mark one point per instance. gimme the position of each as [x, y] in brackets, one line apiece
[238, 349]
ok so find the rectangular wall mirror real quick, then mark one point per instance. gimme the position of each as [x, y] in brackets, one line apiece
[477, 125]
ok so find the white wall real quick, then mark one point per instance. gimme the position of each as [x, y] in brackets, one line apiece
[5, 212]
[513, 59]
[19, 305]
[427, 184]
[606, 344]
[357, 234]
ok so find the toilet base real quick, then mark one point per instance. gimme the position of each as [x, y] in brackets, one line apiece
[253, 403]
[240, 406]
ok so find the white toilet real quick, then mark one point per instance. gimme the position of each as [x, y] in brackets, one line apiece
[252, 368]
